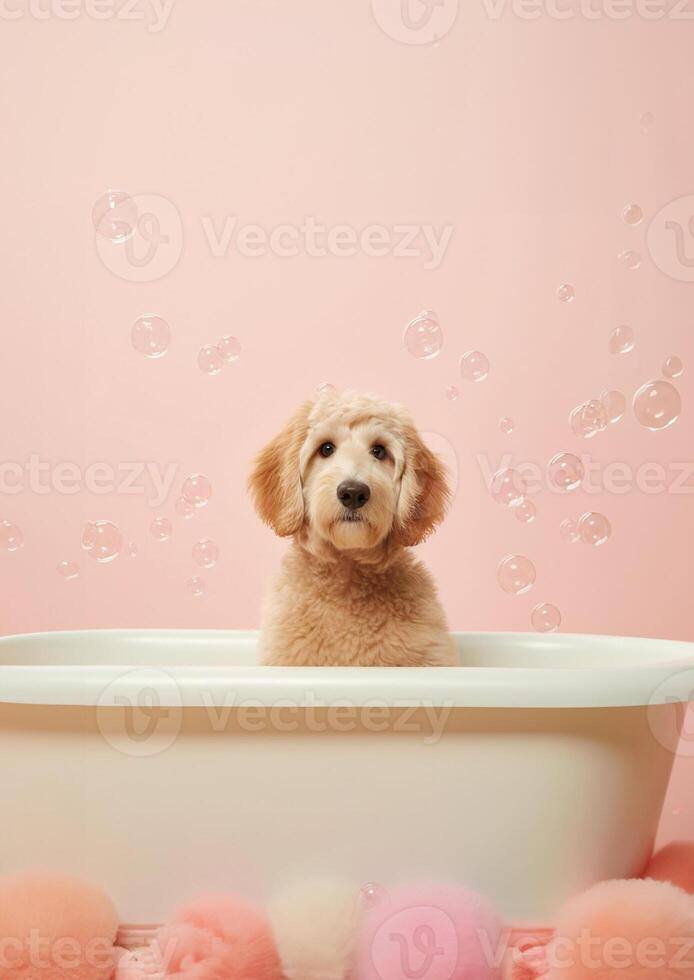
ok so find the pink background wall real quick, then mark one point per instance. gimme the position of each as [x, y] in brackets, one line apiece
[522, 133]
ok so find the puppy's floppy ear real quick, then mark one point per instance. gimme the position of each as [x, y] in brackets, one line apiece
[424, 492]
[275, 483]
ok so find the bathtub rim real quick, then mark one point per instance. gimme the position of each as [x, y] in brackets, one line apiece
[667, 679]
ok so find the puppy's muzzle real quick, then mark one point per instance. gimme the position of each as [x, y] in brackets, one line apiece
[353, 494]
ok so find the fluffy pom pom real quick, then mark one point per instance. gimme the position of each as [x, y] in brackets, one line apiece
[315, 928]
[218, 938]
[625, 930]
[436, 932]
[56, 928]
[674, 863]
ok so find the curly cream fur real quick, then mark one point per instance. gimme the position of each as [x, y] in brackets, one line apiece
[349, 593]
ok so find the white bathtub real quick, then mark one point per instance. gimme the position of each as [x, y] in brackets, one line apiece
[162, 763]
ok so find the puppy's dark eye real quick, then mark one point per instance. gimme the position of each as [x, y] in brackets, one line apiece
[327, 449]
[379, 452]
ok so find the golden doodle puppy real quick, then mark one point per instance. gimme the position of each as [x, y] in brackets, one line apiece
[351, 481]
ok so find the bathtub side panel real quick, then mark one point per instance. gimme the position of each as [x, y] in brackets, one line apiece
[527, 806]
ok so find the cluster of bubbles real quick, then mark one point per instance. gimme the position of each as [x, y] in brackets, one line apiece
[114, 216]
[103, 541]
[594, 415]
[423, 339]
[11, 537]
[516, 575]
[591, 528]
[213, 357]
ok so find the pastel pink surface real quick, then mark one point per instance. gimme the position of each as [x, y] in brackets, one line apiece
[75, 922]
[674, 863]
[436, 932]
[218, 938]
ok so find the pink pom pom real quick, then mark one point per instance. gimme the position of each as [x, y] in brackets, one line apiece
[625, 930]
[56, 928]
[218, 938]
[431, 931]
[674, 863]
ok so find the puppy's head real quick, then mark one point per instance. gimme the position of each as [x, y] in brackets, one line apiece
[350, 471]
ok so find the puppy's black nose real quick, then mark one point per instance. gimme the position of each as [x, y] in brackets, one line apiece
[353, 495]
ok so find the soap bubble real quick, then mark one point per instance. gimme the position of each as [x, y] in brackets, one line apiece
[516, 574]
[452, 393]
[68, 569]
[474, 366]
[594, 528]
[210, 359]
[632, 214]
[196, 585]
[151, 335]
[621, 340]
[566, 293]
[131, 549]
[588, 419]
[229, 348]
[161, 528]
[184, 508]
[525, 512]
[325, 388]
[506, 425]
[565, 471]
[657, 404]
[673, 367]
[508, 487]
[569, 531]
[423, 336]
[11, 537]
[545, 618]
[630, 259]
[197, 490]
[615, 405]
[102, 541]
[373, 894]
[646, 121]
[114, 216]
[205, 553]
